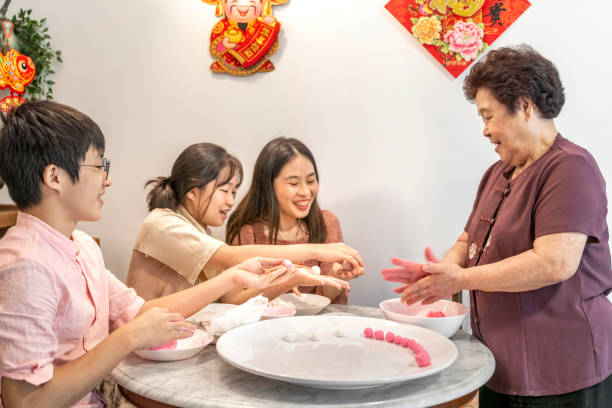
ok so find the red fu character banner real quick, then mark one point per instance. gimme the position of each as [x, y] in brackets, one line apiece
[456, 32]
[244, 37]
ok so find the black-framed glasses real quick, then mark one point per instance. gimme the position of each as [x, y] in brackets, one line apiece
[104, 166]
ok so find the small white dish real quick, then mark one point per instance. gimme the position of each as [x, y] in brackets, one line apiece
[307, 304]
[272, 312]
[185, 348]
[417, 314]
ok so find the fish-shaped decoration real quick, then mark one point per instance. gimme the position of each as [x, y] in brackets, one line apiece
[16, 72]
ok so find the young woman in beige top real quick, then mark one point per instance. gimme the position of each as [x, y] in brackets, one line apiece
[174, 249]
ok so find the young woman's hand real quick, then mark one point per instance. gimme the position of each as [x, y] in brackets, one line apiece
[155, 327]
[305, 278]
[259, 273]
[337, 252]
[345, 271]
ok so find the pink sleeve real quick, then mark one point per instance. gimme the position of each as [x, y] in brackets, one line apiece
[123, 303]
[334, 234]
[28, 305]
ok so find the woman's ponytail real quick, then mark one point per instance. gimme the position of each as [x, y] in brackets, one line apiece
[162, 194]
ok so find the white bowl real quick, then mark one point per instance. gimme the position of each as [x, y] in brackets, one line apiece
[185, 348]
[307, 304]
[272, 312]
[417, 313]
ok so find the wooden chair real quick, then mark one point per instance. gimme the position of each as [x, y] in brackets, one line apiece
[8, 217]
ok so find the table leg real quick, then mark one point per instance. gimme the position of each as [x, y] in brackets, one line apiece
[143, 402]
[461, 402]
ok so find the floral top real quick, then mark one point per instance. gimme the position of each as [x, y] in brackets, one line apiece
[256, 234]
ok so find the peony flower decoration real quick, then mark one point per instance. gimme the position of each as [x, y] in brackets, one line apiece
[427, 29]
[465, 39]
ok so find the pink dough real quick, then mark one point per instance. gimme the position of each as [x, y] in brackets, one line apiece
[437, 313]
[420, 354]
[168, 346]
[422, 359]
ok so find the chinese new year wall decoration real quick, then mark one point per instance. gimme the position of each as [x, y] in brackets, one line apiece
[245, 37]
[456, 32]
[16, 72]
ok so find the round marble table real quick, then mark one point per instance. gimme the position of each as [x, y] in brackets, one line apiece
[205, 380]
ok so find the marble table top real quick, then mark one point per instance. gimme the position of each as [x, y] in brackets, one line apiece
[205, 380]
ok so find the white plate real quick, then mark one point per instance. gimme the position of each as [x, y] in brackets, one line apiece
[348, 361]
[185, 348]
[307, 304]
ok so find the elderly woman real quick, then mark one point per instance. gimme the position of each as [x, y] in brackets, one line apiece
[534, 253]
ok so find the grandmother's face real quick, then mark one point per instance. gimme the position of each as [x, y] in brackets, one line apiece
[505, 129]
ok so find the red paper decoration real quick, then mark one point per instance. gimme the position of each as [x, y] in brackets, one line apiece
[456, 32]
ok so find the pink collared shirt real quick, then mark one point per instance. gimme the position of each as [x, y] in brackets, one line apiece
[57, 301]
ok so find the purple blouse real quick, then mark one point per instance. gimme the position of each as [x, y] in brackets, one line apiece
[558, 338]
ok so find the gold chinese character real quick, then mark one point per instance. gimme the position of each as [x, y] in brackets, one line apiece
[465, 8]
[439, 5]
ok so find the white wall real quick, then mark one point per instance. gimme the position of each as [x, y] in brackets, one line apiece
[400, 151]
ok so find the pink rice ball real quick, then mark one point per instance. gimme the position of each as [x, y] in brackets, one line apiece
[368, 332]
[422, 359]
[397, 339]
[390, 337]
[379, 335]
[405, 342]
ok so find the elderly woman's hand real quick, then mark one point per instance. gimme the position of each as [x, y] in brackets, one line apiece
[444, 279]
[408, 271]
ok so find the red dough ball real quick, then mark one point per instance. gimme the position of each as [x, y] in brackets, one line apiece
[368, 332]
[405, 342]
[390, 337]
[379, 335]
[397, 339]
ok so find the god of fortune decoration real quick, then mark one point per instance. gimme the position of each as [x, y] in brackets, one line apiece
[245, 37]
